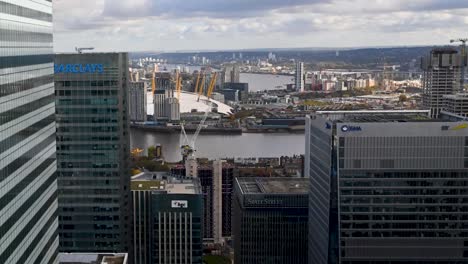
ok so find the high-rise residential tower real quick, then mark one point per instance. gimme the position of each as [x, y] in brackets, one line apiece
[442, 73]
[138, 101]
[299, 79]
[92, 151]
[28, 179]
[387, 187]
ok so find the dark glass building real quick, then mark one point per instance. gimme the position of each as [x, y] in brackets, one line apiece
[28, 179]
[387, 187]
[92, 151]
[167, 220]
[270, 220]
[242, 88]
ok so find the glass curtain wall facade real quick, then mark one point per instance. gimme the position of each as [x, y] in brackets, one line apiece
[270, 220]
[387, 190]
[28, 183]
[92, 151]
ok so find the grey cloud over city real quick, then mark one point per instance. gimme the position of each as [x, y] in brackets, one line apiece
[131, 25]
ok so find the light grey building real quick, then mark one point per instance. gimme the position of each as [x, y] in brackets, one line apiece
[161, 109]
[442, 73]
[93, 148]
[456, 104]
[138, 101]
[172, 109]
[160, 104]
[299, 78]
[231, 73]
[28, 179]
[387, 188]
[167, 219]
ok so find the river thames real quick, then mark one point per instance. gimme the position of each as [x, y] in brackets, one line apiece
[229, 146]
[223, 146]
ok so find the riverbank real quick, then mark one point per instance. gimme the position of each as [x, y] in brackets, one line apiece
[273, 130]
[216, 146]
[178, 129]
[220, 131]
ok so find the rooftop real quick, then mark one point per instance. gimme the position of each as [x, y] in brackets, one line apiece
[379, 116]
[161, 181]
[386, 118]
[93, 258]
[449, 50]
[273, 185]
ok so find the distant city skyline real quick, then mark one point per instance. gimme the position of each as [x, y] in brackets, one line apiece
[172, 25]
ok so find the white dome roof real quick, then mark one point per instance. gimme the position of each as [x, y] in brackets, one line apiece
[188, 101]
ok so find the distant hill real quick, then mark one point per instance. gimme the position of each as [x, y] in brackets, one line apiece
[360, 57]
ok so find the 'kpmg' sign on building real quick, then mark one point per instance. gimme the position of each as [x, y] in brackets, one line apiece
[79, 68]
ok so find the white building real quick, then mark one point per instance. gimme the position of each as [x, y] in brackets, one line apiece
[300, 83]
[159, 104]
[172, 109]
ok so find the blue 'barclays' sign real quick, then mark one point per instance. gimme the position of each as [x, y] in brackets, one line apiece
[79, 68]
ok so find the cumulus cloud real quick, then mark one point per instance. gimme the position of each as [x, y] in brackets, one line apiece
[209, 8]
[218, 24]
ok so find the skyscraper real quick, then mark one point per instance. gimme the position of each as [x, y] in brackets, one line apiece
[300, 82]
[28, 179]
[231, 73]
[442, 73]
[167, 219]
[92, 151]
[386, 187]
[137, 101]
[270, 220]
[172, 108]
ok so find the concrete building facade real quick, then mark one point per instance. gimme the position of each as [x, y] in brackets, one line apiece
[442, 73]
[172, 109]
[137, 101]
[300, 77]
[28, 178]
[457, 104]
[93, 148]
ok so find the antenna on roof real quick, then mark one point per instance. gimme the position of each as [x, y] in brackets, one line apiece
[80, 50]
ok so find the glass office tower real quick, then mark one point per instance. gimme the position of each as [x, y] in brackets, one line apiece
[92, 151]
[28, 184]
[269, 222]
[387, 187]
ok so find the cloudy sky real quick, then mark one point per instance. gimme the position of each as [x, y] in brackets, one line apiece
[170, 25]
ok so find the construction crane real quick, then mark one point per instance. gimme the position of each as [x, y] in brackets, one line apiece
[463, 55]
[80, 50]
[188, 146]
